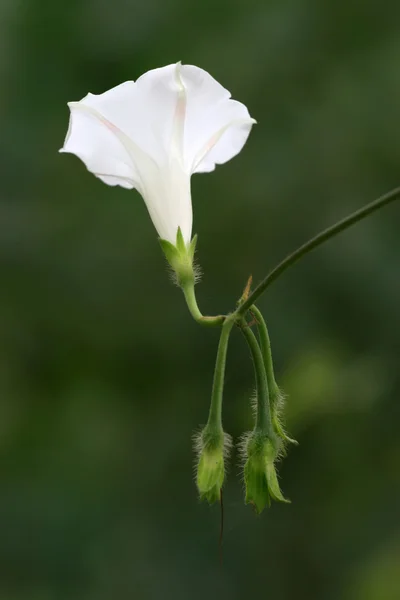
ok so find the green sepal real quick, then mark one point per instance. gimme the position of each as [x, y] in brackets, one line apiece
[192, 247]
[272, 479]
[256, 484]
[180, 242]
[171, 252]
[280, 432]
[273, 484]
[277, 399]
[213, 496]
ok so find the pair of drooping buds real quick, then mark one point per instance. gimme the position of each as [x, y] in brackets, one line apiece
[152, 135]
[260, 448]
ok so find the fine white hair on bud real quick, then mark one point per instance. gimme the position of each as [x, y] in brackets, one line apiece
[212, 450]
[155, 133]
[242, 450]
[199, 443]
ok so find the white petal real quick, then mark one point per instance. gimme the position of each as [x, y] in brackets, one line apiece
[99, 148]
[132, 135]
[216, 126]
[145, 111]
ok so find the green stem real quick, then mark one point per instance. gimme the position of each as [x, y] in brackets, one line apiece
[316, 241]
[265, 344]
[190, 297]
[263, 420]
[274, 392]
[214, 423]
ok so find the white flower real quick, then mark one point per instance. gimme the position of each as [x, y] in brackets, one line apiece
[153, 134]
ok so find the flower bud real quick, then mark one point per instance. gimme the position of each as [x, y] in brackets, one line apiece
[212, 449]
[261, 482]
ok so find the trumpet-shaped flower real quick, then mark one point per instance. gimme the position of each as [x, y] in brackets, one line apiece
[153, 134]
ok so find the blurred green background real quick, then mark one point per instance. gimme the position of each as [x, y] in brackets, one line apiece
[103, 374]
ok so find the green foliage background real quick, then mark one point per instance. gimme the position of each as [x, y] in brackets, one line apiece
[103, 374]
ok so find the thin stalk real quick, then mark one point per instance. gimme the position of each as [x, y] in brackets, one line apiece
[214, 423]
[316, 241]
[274, 392]
[265, 344]
[263, 419]
[190, 297]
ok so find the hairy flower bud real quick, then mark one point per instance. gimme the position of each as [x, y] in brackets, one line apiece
[212, 450]
[261, 482]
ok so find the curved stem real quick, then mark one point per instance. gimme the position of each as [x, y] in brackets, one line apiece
[263, 420]
[190, 297]
[265, 344]
[214, 422]
[274, 392]
[316, 241]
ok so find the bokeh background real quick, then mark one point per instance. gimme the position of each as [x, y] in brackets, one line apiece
[103, 374]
